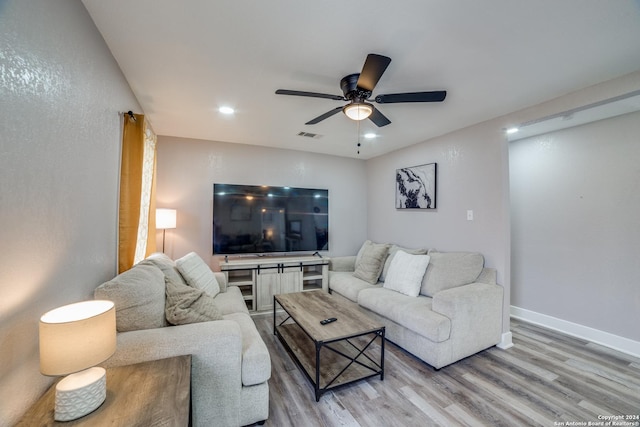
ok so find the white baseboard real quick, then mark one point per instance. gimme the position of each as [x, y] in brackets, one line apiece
[624, 345]
[506, 341]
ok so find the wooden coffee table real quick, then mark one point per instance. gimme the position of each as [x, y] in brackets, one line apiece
[334, 354]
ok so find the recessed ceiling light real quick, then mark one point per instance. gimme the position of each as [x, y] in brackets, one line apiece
[370, 135]
[512, 130]
[226, 110]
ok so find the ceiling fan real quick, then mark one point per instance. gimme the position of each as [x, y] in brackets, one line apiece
[357, 89]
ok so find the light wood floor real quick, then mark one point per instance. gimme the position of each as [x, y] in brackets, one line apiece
[546, 379]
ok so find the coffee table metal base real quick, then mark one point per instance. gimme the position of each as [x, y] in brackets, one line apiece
[331, 363]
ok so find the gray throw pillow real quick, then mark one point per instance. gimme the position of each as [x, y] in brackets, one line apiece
[138, 294]
[372, 258]
[189, 305]
[166, 265]
[198, 274]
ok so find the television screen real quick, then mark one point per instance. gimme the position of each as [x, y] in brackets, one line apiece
[263, 219]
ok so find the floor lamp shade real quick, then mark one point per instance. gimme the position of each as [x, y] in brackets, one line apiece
[165, 218]
[73, 340]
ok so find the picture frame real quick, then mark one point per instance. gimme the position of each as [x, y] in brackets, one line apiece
[416, 187]
[295, 228]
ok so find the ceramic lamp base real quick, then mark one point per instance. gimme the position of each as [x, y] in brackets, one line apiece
[80, 394]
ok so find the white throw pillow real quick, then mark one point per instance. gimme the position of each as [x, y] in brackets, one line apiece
[198, 274]
[392, 254]
[406, 272]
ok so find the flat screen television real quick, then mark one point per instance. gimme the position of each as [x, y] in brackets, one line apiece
[253, 219]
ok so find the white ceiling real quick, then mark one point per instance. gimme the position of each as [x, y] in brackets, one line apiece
[184, 59]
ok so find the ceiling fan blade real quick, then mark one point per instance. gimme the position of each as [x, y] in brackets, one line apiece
[310, 94]
[373, 68]
[435, 96]
[324, 116]
[378, 118]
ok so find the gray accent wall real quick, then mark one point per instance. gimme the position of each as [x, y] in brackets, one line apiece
[575, 212]
[188, 168]
[60, 95]
[471, 175]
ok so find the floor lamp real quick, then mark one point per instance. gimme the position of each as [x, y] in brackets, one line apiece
[165, 218]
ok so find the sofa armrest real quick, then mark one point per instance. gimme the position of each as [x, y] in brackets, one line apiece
[222, 280]
[216, 357]
[475, 311]
[342, 263]
[488, 275]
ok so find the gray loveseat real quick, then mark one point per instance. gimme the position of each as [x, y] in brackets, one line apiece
[230, 364]
[457, 311]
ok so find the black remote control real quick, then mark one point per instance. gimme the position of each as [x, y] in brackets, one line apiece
[327, 321]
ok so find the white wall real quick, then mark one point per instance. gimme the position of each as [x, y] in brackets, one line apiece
[575, 226]
[60, 94]
[471, 176]
[188, 168]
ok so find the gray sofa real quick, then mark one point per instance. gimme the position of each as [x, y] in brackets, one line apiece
[457, 311]
[230, 364]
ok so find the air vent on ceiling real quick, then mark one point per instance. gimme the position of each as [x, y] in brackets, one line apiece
[310, 135]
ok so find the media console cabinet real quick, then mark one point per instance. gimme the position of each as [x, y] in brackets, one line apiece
[260, 278]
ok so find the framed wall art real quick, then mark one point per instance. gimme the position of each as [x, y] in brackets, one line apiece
[416, 187]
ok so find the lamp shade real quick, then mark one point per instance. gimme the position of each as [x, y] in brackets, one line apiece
[358, 110]
[77, 336]
[165, 218]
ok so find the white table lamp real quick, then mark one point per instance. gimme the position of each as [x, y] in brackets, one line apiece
[165, 218]
[73, 339]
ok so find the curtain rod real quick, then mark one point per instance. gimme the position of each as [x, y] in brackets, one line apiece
[130, 114]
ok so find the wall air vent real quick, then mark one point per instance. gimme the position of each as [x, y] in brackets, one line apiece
[310, 135]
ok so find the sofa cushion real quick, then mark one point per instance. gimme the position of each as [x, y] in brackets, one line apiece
[450, 269]
[342, 263]
[185, 304]
[346, 285]
[231, 301]
[162, 258]
[198, 274]
[392, 252]
[361, 251]
[406, 273]
[256, 363]
[138, 294]
[370, 262]
[412, 313]
[166, 265]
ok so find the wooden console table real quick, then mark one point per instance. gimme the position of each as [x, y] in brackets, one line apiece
[260, 278]
[145, 394]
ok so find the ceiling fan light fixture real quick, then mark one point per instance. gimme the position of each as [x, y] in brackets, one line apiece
[358, 110]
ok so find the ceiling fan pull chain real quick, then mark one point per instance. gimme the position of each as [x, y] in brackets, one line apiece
[358, 138]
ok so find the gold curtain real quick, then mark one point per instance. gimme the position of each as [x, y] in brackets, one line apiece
[137, 225]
